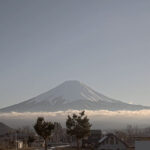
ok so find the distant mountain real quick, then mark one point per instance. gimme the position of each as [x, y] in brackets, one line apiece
[4, 129]
[71, 95]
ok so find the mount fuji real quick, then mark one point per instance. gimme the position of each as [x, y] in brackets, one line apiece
[72, 95]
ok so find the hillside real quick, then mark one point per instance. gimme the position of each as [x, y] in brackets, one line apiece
[4, 129]
[71, 95]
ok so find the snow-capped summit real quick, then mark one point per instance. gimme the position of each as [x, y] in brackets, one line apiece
[71, 95]
[70, 91]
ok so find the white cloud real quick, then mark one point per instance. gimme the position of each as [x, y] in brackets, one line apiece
[99, 118]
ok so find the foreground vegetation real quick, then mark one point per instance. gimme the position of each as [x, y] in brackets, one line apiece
[77, 125]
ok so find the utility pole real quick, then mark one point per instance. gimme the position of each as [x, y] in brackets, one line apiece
[16, 140]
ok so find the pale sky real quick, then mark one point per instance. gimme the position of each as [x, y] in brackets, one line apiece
[102, 43]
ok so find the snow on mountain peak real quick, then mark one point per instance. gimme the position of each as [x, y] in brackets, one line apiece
[71, 95]
[70, 91]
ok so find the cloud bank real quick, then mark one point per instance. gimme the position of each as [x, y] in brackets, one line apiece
[100, 119]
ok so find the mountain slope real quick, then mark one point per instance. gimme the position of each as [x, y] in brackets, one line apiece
[71, 95]
[4, 129]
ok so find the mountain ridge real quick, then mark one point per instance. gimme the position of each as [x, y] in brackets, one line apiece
[71, 94]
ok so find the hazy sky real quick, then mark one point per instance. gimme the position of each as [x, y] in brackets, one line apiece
[103, 43]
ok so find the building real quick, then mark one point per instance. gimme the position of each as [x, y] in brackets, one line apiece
[142, 143]
[93, 139]
[112, 142]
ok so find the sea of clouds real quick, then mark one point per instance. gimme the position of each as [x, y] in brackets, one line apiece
[100, 119]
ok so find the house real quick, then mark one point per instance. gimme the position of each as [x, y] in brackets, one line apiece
[142, 143]
[92, 139]
[112, 142]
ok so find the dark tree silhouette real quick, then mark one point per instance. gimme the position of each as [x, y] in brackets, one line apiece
[30, 140]
[78, 126]
[43, 129]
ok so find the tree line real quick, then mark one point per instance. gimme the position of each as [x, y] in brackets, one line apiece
[77, 125]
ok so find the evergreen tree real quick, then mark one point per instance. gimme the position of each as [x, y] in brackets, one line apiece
[78, 126]
[43, 129]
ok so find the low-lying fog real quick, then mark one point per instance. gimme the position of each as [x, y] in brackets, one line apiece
[102, 119]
